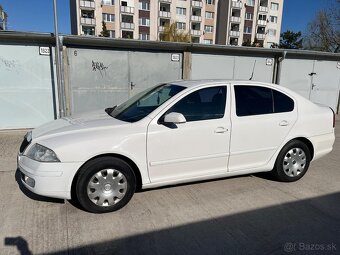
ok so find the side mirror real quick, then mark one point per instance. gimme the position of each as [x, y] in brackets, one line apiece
[174, 118]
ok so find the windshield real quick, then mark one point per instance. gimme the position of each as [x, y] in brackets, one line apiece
[139, 106]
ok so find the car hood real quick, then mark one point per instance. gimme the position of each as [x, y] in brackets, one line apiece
[77, 123]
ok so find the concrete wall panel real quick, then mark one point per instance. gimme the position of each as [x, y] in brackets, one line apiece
[26, 87]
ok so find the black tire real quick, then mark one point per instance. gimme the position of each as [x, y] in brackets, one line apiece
[97, 165]
[279, 171]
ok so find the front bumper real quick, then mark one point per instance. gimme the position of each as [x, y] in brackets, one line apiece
[48, 179]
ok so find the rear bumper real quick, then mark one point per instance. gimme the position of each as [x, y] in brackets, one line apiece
[323, 144]
[48, 179]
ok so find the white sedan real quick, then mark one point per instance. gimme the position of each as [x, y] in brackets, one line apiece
[174, 133]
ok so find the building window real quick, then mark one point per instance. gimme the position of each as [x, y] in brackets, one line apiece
[208, 29]
[88, 30]
[262, 17]
[247, 30]
[210, 1]
[273, 19]
[274, 6]
[272, 32]
[181, 11]
[144, 36]
[180, 25]
[261, 30]
[249, 16]
[144, 22]
[233, 41]
[108, 17]
[145, 6]
[112, 33]
[87, 14]
[207, 41]
[209, 15]
[108, 2]
[250, 2]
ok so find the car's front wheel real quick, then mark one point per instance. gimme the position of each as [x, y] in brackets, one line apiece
[292, 162]
[105, 184]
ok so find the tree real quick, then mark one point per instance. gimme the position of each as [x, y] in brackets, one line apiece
[172, 34]
[104, 32]
[324, 30]
[289, 40]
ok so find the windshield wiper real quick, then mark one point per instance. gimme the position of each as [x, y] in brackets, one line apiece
[110, 110]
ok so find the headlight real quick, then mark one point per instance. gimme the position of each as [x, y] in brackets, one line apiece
[41, 153]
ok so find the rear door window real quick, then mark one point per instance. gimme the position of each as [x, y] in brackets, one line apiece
[253, 100]
[282, 103]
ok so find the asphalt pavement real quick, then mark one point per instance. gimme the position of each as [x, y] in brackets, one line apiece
[242, 215]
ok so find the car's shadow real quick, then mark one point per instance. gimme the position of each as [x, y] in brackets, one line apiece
[32, 195]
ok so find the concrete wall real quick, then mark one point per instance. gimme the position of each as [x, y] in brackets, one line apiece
[26, 87]
[101, 72]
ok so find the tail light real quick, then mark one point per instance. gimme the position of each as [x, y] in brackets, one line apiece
[333, 117]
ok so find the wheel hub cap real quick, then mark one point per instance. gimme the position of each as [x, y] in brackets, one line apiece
[294, 162]
[107, 187]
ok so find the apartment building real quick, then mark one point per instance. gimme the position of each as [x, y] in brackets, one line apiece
[144, 19]
[207, 21]
[244, 22]
[3, 19]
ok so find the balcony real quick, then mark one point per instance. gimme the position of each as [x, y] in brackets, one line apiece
[197, 4]
[125, 25]
[164, 14]
[236, 4]
[196, 18]
[87, 4]
[262, 22]
[260, 36]
[88, 21]
[127, 9]
[195, 32]
[165, 1]
[235, 33]
[161, 28]
[263, 9]
[235, 19]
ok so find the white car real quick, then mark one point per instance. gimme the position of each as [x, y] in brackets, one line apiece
[174, 133]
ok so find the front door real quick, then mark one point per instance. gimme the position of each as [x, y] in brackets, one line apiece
[196, 148]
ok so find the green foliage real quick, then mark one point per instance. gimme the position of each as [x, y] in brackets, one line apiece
[171, 34]
[104, 32]
[255, 43]
[289, 40]
[324, 30]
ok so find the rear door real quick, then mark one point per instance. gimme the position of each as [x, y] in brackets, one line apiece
[261, 119]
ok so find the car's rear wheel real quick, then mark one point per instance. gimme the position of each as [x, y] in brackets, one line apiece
[292, 162]
[105, 184]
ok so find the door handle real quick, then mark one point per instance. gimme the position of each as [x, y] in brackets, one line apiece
[284, 123]
[220, 130]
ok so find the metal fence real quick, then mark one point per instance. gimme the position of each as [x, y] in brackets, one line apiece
[101, 72]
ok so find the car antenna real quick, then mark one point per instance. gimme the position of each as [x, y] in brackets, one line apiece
[252, 74]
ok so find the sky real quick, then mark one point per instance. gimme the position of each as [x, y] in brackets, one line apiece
[37, 15]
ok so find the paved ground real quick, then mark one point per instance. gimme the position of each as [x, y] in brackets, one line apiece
[243, 215]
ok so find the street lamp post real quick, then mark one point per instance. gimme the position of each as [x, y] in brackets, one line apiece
[58, 63]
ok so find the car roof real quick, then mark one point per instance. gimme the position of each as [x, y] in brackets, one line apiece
[197, 83]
